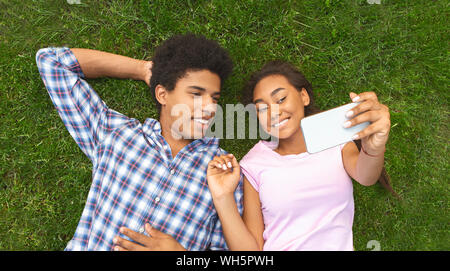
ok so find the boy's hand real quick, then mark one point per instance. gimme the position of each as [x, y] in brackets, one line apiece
[147, 73]
[156, 241]
[223, 175]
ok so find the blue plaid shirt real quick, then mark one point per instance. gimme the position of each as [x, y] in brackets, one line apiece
[135, 179]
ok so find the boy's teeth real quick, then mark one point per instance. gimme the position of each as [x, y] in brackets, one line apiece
[201, 121]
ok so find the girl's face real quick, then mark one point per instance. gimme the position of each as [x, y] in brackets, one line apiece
[279, 106]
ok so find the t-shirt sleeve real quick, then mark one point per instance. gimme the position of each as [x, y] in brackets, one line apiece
[250, 173]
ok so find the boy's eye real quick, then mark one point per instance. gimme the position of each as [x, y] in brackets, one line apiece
[197, 94]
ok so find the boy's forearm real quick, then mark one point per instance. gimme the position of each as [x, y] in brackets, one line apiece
[237, 236]
[95, 64]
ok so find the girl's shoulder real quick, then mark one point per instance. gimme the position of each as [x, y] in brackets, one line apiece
[260, 152]
[254, 162]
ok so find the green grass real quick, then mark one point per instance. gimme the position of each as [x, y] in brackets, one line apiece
[398, 49]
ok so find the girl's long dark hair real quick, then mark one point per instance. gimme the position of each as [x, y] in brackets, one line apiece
[298, 80]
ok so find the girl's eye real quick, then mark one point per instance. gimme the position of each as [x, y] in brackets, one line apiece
[262, 109]
[281, 100]
[197, 94]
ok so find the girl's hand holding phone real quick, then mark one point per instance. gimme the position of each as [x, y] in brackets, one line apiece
[374, 137]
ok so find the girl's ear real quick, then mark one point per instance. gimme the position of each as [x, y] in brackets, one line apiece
[161, 94]
[305, 97]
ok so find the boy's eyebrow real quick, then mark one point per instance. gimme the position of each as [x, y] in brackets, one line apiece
[197, 88]
[203, 89]
[275, 91]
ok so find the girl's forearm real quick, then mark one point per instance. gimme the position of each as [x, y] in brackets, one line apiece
[368, 167]
[236, 233]
[96, 64]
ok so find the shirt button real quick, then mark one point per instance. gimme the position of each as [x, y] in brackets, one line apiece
[172, 171]
[157, 199]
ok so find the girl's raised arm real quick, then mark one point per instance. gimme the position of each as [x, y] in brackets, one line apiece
[365, 166]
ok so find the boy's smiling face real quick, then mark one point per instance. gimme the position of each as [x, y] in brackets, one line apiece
[190, 107]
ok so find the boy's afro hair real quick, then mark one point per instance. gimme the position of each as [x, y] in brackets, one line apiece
[182, 53]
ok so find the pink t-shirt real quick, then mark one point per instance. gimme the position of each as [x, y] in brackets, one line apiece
[306, 199]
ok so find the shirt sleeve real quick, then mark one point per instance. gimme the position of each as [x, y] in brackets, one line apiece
[218, 239]
[250, 175]
[82, 111]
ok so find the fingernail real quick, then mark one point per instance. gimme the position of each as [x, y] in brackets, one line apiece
[115, 240]
[224, 166]
[121, 230]
[355, 137]
[356, 99]
[229, 164]
[116, 248]
[347, 124]
[349, 114]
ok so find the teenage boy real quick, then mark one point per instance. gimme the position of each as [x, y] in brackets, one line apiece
[144, 174]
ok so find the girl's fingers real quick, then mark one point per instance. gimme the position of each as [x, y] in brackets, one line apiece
[363, 107]
[215, 164]
[370, 116]
[228, 160]
[212, 164]
[223, 162]
[376, 127]
[235, 164]
[220, 162]
[370, 95]
[234, 161]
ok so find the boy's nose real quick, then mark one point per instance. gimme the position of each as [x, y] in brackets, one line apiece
[205, 110]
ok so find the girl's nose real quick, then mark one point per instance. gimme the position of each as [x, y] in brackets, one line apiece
[275, 112]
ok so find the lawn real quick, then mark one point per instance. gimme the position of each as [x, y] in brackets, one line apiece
[399, 49]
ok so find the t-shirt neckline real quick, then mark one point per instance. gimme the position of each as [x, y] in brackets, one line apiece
[270, 146]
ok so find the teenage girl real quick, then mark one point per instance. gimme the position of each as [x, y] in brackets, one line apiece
[294, 200]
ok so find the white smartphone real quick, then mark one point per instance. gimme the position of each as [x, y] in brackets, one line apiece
[325, 130]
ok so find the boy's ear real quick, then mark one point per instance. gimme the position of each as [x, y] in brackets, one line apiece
[305, 97]
[161, 94]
